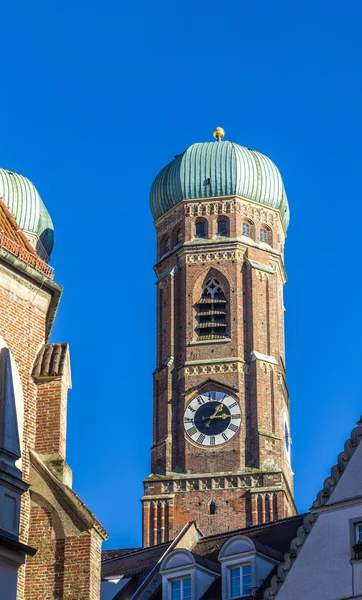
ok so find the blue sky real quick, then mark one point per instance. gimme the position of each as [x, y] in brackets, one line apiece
[95, 99]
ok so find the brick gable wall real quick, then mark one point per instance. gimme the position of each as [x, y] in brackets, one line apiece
[67, 563]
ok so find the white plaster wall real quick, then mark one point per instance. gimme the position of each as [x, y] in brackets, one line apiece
[110, 588]
[323, 568]
[350, 484]
[262, 569]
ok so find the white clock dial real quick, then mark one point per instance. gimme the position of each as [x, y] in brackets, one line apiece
[212, 418]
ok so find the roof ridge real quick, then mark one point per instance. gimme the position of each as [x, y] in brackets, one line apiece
[251, 528]
[323, 496]
[136, 551]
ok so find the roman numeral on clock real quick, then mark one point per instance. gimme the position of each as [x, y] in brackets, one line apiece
[192, 409]
[233, 404]
[200, 400]
[232, 427]
[237, 416]
[225, 436]
[188, 420]
[212, 440]
[191, 431]
[200, 439]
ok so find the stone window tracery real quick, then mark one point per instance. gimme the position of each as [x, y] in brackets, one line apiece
[211, 311]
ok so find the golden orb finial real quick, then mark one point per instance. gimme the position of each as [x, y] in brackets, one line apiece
[219, 133]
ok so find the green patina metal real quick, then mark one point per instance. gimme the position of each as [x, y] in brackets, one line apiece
[25, 203]
[213, 169]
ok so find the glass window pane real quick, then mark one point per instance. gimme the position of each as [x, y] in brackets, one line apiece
[176, 594]
[235, 573]
[176, 585]
[359, 533]
[187, 582]
[247, 570]
[235, 592]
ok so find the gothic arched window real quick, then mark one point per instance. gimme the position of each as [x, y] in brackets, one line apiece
[201, 228]
[222, 227]
[212, 508]
[211, 311]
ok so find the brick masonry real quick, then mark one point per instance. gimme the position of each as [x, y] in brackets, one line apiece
[66, 535]
[249, 478]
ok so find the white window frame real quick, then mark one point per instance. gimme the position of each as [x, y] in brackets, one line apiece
[241, 568]
[181, 579]
[358, 532]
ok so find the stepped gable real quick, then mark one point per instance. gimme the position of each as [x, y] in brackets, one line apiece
[310, 518]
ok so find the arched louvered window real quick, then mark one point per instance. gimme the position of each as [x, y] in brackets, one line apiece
[179, 235]
[211, 311]
[222, 227]
[212, 508]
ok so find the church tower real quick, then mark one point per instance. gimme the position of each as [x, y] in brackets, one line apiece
[221, 441]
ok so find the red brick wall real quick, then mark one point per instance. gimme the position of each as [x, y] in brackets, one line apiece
[23, 310]
[255, 320]
[51, 417]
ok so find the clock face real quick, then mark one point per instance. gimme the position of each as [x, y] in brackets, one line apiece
[212, 418]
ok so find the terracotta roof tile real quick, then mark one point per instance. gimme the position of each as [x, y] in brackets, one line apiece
[14, 240]
[10, 228]
[50, 361]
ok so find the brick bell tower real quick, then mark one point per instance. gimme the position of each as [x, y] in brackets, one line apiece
[221, 441]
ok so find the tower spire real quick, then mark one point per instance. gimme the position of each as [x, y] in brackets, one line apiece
[219, 133]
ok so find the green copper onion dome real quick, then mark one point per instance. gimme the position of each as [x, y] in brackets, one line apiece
[220, 168]
[23, 200]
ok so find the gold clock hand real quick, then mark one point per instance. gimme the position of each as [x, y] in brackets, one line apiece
[223, 416]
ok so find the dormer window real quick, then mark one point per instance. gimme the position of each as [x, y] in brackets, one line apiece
[181, 589]
[240, 581]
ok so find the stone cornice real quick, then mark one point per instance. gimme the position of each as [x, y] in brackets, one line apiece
[237, 201]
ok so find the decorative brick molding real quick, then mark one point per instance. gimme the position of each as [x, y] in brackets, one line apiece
[212, 483]
[212, 368]
[202, 257]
